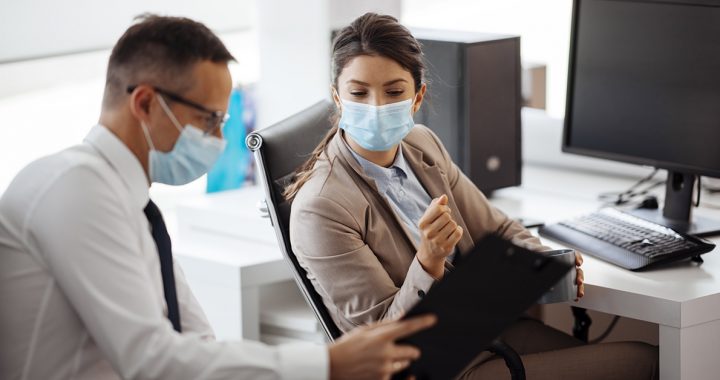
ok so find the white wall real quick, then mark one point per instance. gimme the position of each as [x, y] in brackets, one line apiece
[295, 50]
[38, 28]
[56, 101]
[292, 32]
[50, 104]
[543, 25]
[77, 35]
[343, 12]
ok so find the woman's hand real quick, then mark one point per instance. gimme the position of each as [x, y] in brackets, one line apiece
[439, 234]
[580, 280]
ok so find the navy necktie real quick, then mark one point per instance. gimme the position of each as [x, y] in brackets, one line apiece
[164, 247]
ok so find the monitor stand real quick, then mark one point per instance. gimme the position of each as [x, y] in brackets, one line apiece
[677, 212]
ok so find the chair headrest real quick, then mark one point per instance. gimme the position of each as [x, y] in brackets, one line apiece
[291, 141]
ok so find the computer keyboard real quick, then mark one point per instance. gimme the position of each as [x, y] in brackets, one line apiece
[625, 240]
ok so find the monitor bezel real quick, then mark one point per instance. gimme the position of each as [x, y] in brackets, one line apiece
[567, 148]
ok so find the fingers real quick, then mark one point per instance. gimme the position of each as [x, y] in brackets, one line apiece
[400, 365]
[449, 245]
[443, 200]
[447, 237]
[404, 352]
[580, 281]
[456, 235]
[391, 367]
[432, 214]
[446, 230]
[436, 208]
[401, 329]
[398, 358]
[436, 227]
[436, 219]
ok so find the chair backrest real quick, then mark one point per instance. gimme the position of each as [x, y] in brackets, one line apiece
[279, 150]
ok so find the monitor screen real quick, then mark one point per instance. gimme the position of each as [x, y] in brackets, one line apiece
[644, 83]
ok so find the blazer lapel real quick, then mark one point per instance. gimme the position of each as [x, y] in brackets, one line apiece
[340, 150]
[436, 184]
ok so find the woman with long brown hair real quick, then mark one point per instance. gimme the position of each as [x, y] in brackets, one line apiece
[379, 210]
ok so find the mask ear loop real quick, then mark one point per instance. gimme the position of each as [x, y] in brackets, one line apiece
[147, 135]
[336, 94]
[412, 113]
[169, 113]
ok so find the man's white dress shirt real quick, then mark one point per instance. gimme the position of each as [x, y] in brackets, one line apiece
[81, 295]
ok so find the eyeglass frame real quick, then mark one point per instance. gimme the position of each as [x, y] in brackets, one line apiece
[213, 115]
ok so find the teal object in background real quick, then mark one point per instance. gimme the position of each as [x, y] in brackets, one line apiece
[230, 170]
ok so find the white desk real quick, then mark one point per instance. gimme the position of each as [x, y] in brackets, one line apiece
[229, 253]
[684, 300]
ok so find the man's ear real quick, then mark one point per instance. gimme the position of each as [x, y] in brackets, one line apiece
[140, 100]
[419, 98]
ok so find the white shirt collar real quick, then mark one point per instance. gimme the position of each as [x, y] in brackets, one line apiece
[119, 156]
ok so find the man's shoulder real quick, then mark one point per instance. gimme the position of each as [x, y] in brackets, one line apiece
[76, 163]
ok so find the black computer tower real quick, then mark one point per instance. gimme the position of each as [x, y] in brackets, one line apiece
[473, 103]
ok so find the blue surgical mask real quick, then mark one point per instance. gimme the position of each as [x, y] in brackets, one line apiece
[377, 128]
[192, 156]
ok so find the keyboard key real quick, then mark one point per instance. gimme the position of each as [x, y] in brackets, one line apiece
[626, 236]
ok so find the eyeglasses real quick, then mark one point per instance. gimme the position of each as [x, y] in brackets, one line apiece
[213, 121]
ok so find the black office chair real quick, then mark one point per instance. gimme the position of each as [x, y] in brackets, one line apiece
[279, 150]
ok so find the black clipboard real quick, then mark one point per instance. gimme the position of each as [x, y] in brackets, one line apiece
[489, 289]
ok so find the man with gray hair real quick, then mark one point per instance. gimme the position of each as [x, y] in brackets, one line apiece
[88, 286]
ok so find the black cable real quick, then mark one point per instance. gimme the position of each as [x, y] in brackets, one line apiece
[710, 191]
[647, 189]
[632, 195]
[643, 180]
[713, 187]
[581, 327]
[629, 194]
[607, 331]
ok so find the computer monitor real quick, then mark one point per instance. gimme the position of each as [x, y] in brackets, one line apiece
[644, 88]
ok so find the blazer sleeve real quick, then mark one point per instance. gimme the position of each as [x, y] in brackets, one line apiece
[472, 203]
[328, 243]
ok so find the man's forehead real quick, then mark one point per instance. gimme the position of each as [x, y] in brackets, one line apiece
[211, 80]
